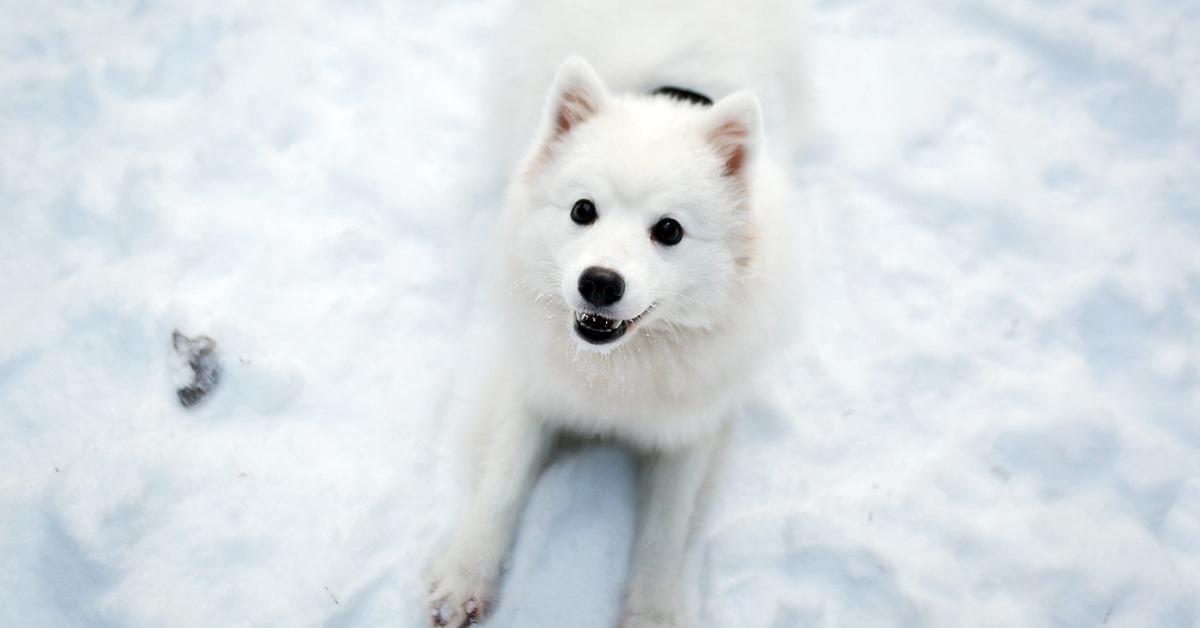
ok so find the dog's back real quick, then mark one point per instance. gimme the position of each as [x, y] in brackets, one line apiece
[711, 47]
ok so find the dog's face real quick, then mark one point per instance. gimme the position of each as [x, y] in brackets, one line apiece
[635, 221]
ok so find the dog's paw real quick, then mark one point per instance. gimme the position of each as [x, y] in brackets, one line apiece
[457, 596]
[652, 618]
[451, 612]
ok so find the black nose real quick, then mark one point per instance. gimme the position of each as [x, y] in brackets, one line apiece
[601, 286]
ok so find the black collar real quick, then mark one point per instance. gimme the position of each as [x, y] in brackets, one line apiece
[679, 93]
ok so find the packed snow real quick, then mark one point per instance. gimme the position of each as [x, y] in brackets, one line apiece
[990, 414]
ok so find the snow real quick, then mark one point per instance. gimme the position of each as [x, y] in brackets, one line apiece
[992, 417]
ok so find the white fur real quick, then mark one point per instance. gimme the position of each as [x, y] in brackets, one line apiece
[706, 308]
[715, 47]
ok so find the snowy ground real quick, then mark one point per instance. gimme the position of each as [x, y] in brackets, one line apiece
[993, 420]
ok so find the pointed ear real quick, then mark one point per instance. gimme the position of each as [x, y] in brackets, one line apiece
[735, 131]
[577, 94]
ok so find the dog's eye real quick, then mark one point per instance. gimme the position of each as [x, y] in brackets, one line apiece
[667, 231]
[584, 212]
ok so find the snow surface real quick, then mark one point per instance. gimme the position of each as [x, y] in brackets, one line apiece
[993, 418]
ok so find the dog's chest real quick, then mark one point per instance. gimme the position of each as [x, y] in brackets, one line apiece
[629, 401]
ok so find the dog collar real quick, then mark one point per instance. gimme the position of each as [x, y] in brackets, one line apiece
[679, 93]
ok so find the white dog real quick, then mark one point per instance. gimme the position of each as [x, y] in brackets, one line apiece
[643, 252]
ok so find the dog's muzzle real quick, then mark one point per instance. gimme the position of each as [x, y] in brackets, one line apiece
[597, 329]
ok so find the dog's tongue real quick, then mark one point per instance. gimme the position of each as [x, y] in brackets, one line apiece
[597, 323]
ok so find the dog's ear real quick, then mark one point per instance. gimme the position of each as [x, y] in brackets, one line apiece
[577, 94]
[735, 131]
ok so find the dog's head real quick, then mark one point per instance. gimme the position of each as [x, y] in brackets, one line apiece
[633, 213]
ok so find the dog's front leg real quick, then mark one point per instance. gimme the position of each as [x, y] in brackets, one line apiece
[669, 485]
[462, 581]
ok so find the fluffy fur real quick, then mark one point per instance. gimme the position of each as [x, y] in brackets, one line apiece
[696, 315]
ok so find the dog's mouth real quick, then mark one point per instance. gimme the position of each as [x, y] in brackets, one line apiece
[600, 330]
